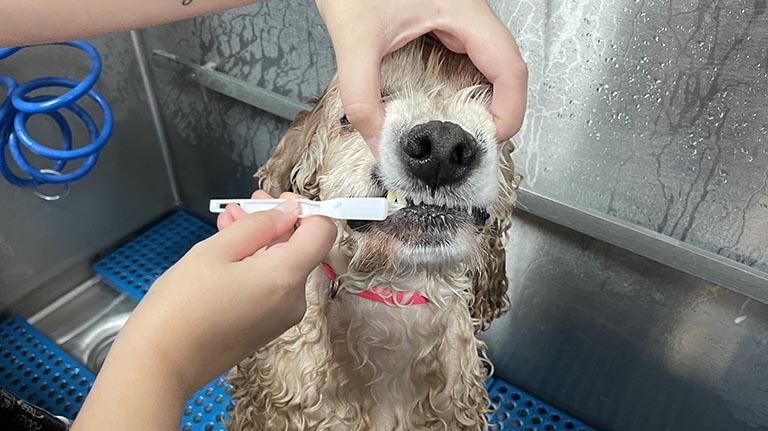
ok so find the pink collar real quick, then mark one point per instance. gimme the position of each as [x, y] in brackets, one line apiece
[376, 293]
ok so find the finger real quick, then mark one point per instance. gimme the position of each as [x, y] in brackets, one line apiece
[308, 245]
[508, 109]
[450, 41]
[236, 211]
[223, 220]
[260, 194]
[232, 213]
[286, 236]
[360, 88]
[252, 232]
[505, 69]
[229, 215]
[282, 239]
[290, 195]
[293, 196]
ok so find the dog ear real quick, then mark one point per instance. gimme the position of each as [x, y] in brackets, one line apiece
[490, 278]
[293, 163]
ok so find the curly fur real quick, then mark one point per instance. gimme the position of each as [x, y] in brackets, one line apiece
[355, 364]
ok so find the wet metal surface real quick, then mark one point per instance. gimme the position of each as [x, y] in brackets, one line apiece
[217, 144]
[85, 321]
[653, 111]
[658, 247]
[626, 344]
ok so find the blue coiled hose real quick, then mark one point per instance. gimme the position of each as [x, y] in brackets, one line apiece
[17, 108]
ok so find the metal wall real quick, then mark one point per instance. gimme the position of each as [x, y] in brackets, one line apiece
[217, 144]
[627, 344]
[127, 188]
[653, 111]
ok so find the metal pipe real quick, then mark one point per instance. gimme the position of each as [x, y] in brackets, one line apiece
[157, 120]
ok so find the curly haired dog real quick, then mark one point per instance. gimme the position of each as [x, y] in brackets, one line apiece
[395, 347]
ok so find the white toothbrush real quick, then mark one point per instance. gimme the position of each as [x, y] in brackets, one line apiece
[339, 208]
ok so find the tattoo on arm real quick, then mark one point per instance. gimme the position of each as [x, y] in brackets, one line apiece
[186, 2]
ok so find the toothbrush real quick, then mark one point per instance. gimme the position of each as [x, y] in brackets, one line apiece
[339, 208]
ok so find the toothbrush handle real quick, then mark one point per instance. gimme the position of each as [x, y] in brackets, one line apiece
[338, 208]
[249, 205]
[308, 207]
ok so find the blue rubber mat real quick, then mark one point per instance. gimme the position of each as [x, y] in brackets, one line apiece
[37, 370]
[208, 409]
[516, 410]
[135, 266]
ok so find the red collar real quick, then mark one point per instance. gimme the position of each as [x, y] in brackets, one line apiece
[376, 293]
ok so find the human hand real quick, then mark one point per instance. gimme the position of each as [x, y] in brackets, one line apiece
[232, 293]
[364, 31]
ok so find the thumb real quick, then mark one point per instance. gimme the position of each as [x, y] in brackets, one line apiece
[307, 247]
[360, 89]
[252, 232]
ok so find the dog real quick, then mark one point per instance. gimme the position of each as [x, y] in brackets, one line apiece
[388, 340]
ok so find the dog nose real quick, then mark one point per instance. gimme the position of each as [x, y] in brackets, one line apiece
[439, 153]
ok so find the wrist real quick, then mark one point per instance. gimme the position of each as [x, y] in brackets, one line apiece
[138, 353]
[150, 343]
[134, 389]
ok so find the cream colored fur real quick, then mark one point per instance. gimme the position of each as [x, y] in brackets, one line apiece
[355, 364]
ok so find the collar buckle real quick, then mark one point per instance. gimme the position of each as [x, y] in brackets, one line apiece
[333, 288]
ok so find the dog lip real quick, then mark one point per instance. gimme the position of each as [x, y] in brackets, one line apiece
[425, 213]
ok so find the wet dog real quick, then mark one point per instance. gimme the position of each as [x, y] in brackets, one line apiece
[388, 341]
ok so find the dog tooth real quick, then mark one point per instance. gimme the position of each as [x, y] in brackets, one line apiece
[391, 196]
[417, 200]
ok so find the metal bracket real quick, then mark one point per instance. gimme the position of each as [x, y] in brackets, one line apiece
[658, 247]
[209, 77]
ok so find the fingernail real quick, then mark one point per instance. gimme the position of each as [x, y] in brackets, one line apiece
[289, 206]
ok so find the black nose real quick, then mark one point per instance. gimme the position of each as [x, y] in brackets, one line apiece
[439, 153]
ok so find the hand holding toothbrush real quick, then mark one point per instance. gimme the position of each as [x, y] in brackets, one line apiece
[228, 296]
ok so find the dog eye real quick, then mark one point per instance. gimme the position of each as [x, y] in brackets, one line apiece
[344, 121]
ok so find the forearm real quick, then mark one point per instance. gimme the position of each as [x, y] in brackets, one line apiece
[25, 22]
[135, 390]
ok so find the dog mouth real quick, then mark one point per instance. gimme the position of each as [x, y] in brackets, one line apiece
[423, 220]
